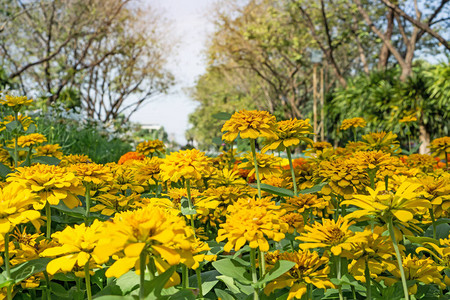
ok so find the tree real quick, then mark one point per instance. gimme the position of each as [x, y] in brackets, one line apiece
[51, 46]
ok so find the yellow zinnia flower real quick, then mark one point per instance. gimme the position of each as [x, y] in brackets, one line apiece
[72, 159]
[354, 122]
[92, 173]
[151, 147]
[187, 164]
[289, 133]
[49, 150]
[252, 221]
[408, 119]
[268, 165]
[331, 235]
[440, 147]
[163, 236]
[383, 204]
[31, 140]
[250, 124]
[16, 102]
[49, 183]
[417, 269]
[16, 207]
[78, 245]
[24, 120]
[384, 141]
[309, 268]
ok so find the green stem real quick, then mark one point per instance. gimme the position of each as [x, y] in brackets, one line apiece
[255, 163]
[399, 257]
[28, 158]
[337, 262]
[16, 150]
[409, 144]
[294, 181]
[87, 278]
[368, 286]
[87, 197]
[7, 268]
[262, 263]
[199, 282]
[142, 261]
[185, 276]
[151, 267]
[433, 222]
[191, 217]
[254, 273]
[354, 134]
[48, 213]
[48, 290]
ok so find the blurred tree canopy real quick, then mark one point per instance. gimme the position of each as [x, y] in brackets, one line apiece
[259, 56]
[109, 56]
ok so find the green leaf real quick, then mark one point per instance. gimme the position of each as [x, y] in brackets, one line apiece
[184, 294]
[233, 269]
[4, 282]
[4, 170]
[77, 212]
[185, 207]
[281, 267]
[282, 192]
[128, 282]
[223, 295]
[115, 297]
[315, 189]
[14, 126]
[229, 282]
[209, 280]
[421, 239]
[222, 116]
[26, 269]
[46, 160]
[154, 287]
[217, 140]
[31, 129]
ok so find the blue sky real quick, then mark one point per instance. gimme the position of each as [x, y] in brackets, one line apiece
[190, 27]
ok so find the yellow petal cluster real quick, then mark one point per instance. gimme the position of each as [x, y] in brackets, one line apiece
[249, 124]
[31, 140]
[354, 122]
[187, 164]
[151, 147]
[50, 183]
[309, 268]
[289, 133]
[252, 221]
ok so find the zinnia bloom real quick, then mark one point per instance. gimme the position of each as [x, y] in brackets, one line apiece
[355, 122]
[49, 183]
[16, 102]
[408, 119]
[16, 207]
[31, 140]
[268, 165]
[309, 268]
[440, 147]
[289, 133]
[163, 236]
[384, 141]
[49, 150]
[385, 204]
[252, 221]
[78, 245]
[331, 235]
[249, 124]
[151, 147]
[130, 156]
[187, 164]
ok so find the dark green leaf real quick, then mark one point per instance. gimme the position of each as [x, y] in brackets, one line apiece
[314, 189]
[4, 170]
[233, 269]
[274, 190]
[128, 282]
[154, 287]
[46, 160]
[209, 280]
[281, 267]
[26, 269]
[222, 116]
[77, 212]
[185, 210]
[223, 295]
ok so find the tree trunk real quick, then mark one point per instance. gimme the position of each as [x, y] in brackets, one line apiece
[424, 139]
[384, 52]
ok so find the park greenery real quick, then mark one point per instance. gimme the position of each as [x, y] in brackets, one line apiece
[320, 168]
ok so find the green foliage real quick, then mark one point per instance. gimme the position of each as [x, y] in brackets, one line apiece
[382, 100]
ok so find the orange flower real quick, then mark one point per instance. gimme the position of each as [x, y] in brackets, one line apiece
[129, 156]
